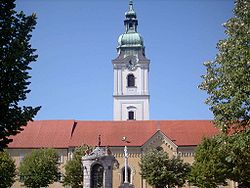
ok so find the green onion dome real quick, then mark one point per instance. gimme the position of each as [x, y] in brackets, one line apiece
[130, 39]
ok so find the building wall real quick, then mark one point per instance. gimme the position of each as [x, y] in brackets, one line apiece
[122, 105]
[135, 154]
[120, 81]
[133, 163]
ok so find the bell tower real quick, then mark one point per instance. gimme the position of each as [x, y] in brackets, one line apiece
[131, 68]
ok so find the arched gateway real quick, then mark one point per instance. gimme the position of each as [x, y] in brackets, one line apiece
[97, 168]
[96, 177]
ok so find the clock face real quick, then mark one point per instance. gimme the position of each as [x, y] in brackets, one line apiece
[131, 63]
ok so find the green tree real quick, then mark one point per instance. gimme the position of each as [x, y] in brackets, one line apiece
[15, 56]
[7, 170]
[39, 168]
[227, 80]
[159, 170]
[209, 168]
[220, 158]
[73, 169]
[237, 149]
[227, 83]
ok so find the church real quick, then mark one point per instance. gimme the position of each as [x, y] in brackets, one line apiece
[131, 107]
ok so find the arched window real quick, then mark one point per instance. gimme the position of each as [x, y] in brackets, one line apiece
[97, 176]
[130, 25]
[131, 80]
[129, 175]
[131, 115]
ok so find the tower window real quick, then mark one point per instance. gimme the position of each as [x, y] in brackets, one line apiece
[130, 25]
[131, 115]
[131, 80]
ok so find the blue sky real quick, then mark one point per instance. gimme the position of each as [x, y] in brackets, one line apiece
[77, 39]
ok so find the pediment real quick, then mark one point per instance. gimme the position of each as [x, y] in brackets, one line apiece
[157, 140]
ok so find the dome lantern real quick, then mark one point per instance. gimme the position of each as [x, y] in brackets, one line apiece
[130, 38]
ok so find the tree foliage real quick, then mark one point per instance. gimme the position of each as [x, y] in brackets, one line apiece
[227, 83]
[227, 80]
[159, 170]
[220, 158]
[209, 169]
[73, 169]
[7, 170]
[39, 168]
[237, 149]
[15, 56]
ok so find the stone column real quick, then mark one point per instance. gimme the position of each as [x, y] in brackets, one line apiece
[86, 171]
[126, 164]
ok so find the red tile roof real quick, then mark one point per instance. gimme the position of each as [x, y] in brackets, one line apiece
[46, 133]
[69, 133]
